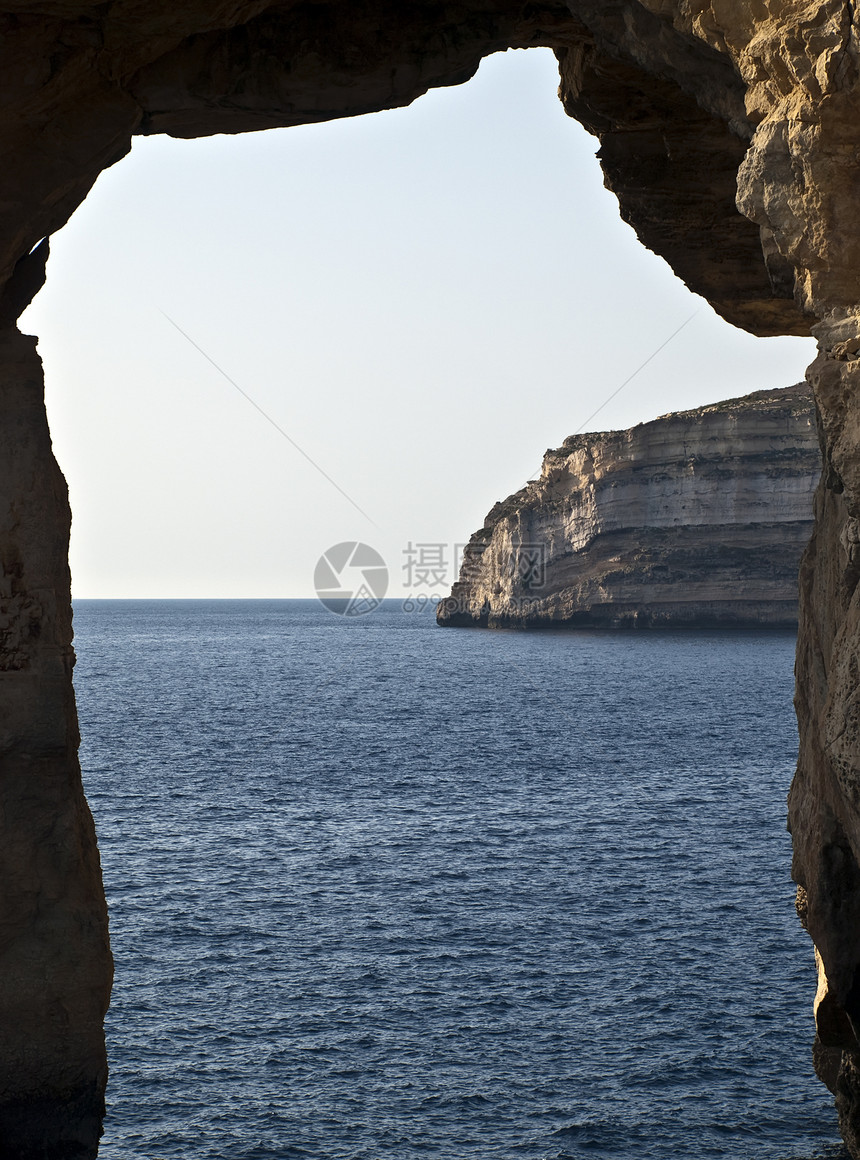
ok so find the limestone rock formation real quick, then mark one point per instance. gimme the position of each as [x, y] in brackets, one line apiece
[729, 131]
[697, 518]
[55, 962]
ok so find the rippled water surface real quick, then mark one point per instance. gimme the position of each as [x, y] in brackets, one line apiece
[380, 890]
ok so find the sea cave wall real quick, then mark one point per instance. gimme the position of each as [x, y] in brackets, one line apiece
[698, 518]
[729, 131]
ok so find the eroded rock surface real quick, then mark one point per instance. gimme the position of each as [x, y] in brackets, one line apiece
[55, 964]
[729, 131]
[697, 518]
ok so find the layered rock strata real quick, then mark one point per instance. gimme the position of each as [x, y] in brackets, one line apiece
[697, 518]
[730, 133]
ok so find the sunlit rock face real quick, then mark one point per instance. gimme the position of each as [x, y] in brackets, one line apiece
[698, 518]
[729, 132]
[78, 80]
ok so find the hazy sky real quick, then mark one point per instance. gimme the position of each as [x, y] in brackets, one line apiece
[424, 300]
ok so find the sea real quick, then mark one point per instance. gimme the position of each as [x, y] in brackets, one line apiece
[380, 890]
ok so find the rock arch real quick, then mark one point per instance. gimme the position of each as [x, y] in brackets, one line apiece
[729, 133]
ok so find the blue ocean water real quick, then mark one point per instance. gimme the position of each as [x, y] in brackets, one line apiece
[380, 890]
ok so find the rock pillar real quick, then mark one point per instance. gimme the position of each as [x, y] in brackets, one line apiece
[55, 960]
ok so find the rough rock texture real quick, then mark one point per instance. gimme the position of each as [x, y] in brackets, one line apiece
[824, 805]
[77, 80]
[729, 130]
[55, 961]
[697, 518]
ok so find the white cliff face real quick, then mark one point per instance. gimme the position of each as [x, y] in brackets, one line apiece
[695, 518]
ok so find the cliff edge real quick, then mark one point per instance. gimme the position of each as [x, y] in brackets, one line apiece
[696, 518]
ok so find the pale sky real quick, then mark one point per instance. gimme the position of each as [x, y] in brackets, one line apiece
[424, 300]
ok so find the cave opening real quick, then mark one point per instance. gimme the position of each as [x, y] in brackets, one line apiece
[457, 260]
[161, 400]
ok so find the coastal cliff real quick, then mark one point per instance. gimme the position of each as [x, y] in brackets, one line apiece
[696, 518]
